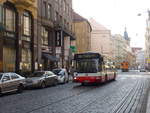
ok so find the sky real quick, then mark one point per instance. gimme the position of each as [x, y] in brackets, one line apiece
[116, 15]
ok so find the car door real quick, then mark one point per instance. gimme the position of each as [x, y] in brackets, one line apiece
[6, 83]
[48, 79]
[52, 78]
[14, 81]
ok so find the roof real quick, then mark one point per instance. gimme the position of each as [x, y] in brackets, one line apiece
[79, 18]
[96, 26]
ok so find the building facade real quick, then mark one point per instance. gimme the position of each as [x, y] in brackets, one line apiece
[122, 50]
[82, 30]
[147, 42]
[35, 34]
[101, 40]
[18, 37]
[55, 33]
[140, 59]
[119, 49]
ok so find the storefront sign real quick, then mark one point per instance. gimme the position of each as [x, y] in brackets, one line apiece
[58, 41]
[8, 34]
[47, 49]
[148, 60]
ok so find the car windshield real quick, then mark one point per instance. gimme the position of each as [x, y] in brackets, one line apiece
[1, 76]
[56, 71]
[37, 74]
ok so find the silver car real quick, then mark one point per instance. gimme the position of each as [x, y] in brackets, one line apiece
[62, 74]
[41, 79]
[11, 82]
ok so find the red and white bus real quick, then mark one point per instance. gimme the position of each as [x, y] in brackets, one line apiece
[91, 68]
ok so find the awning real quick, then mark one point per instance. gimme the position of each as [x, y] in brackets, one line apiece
[50, 57]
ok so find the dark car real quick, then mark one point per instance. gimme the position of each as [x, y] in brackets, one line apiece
[41, 79]
[11, 82]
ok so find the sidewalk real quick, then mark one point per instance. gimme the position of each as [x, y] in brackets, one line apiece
[148, 104]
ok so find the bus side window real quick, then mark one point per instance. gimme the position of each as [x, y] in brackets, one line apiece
[100, 67]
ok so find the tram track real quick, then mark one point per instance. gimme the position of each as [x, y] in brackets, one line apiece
[143, 100]
[127, 103]
[77, 94]
[107, 95]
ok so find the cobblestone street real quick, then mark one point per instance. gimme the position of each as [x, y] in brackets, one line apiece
[128, 94]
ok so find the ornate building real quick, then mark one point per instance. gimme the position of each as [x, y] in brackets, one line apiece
[18, 37]
[35, 34]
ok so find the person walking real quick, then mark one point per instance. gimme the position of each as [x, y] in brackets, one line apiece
[72, 72]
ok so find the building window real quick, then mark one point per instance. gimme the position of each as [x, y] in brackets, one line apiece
[9, 59]
[26, 24]
[26, 59]
[44, 36]
[45, 11]
[1, 14]
[49, 11]
[61, 19]
[56, 16]
[64, 6]
[10, 20]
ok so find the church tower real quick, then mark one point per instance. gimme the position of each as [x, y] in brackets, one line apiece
[126, 37]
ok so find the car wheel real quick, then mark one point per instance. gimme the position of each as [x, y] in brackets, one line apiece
[56, 82]
[64, 81]
[83, 84]
[67, 80]
[20, 88]
[0, 92]
[43, 85]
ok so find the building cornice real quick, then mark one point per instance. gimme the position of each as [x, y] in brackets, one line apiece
[21, 5]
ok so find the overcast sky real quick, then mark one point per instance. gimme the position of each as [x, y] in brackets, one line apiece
[116, 15]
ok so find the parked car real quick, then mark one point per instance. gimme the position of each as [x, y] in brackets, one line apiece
[62, 74]
[11, 82]
[41, 79]
[142, 70]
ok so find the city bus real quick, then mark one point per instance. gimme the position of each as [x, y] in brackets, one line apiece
[91, 68]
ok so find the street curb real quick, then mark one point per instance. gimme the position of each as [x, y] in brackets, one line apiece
[148, 104]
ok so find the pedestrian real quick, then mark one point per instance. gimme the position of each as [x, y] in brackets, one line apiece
[72, 71]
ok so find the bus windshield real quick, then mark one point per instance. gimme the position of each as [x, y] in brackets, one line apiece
[87, 66]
